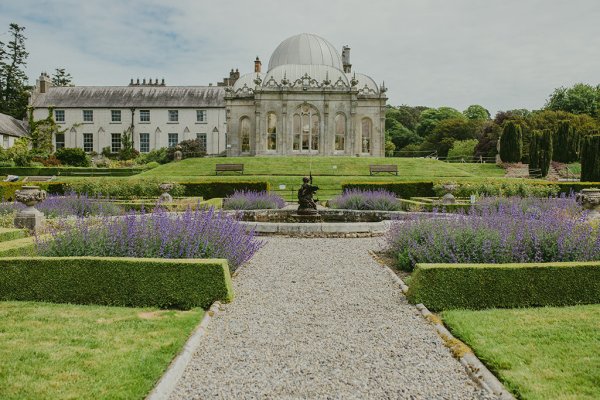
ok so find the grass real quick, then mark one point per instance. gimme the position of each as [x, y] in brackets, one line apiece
[51, 351]
[538, 353]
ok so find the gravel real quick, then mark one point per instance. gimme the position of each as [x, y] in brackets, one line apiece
[320, 319]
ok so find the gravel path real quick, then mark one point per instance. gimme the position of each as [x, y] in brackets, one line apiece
[320, 319]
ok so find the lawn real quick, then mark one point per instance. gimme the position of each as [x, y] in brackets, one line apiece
[538, 353]
[51, 351]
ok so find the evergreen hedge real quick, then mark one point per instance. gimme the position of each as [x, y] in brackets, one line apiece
[69, 171]
[128, 282]
[479, 286]
[590, 159]
[511, 143]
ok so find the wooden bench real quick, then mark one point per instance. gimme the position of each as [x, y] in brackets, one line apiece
[38, 178]
[391, 168]
[229, 168]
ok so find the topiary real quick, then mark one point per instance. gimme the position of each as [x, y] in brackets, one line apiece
[590, 159]
[534, 165]
[545, 152]
[511, 143]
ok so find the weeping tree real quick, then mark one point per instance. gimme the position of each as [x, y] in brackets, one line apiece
[511, 143]
[566, 149]
[590, 159]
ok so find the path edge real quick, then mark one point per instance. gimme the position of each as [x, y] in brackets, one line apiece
[476, 370]
[169, 379]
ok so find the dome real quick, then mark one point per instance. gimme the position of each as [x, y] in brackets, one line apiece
[316, 72]
[248, 80]
[364, 81]
[305, 49]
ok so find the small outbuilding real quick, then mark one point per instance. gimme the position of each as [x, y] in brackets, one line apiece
[11, 129]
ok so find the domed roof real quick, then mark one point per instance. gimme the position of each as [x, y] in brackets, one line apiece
[305, 49]
[364, 82]
[248, 80]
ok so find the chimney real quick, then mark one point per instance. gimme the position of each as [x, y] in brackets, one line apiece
[44, 82]
[346, 59]
[257, 65]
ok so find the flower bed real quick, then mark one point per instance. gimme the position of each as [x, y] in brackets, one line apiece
[499, 231]
[253, 200]
[192, 234]
[357, 199]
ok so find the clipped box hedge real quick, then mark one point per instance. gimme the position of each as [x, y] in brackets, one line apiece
[8, 189]
[129, 282]
[7, 234]
[405, 190]
[479, 286]
[69, 171]
[18, 247]
[210, 190]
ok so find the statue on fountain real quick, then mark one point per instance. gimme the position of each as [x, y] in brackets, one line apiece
[306, 204]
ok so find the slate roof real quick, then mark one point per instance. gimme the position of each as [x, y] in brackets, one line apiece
[131, 96]
[11, 126]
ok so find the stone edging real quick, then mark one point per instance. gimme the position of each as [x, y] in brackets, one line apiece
[166, 384]
[463, 353]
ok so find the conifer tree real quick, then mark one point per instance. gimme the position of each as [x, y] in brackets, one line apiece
[590, 158]
[545, 152]
[511, 143]
[534, 167]
[13, 80]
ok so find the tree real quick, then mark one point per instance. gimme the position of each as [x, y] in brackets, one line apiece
[127, 151]
[14, 94]
[567, 143]
[579, 99]
[432, 116]
[487, 145]
[511, 143]
[590, 159]
[62, 78]
[476, 111]
[534, 156]
[462, 150]
[447, 131]
[545, 149]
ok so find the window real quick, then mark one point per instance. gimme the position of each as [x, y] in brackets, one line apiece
[59, 115]
[88, 142]
[144, 142]
[59, 141]
[88, 115]
[305, 125]
[173, 115]
[173, 139]
[340, 131]
[6, 141]
[115, 143]
[202, 141]
[115, 115]
[245, 135]
[144, 115]
[367, 126]
[200, 115]
[271, 131]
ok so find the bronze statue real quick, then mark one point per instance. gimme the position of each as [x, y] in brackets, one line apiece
[306, 204]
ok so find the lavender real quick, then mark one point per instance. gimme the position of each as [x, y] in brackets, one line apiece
[70, 204]
[251, 200]
[499, 230]
[193, 234]
[356, 199]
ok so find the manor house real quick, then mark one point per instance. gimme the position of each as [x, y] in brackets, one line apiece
[308, 102]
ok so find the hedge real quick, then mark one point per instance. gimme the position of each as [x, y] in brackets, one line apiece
[7, 234]
[18, 247]
[479, 286]
[128, 282]
[417, 205]
[69, 171]
[404, 190]
[213, 189]
[7, 189]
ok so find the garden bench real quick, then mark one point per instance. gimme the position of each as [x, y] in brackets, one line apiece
[391, 168]
[38, 178]
[229, 168]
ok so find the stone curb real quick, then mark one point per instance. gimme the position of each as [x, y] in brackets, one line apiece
[474, 367]
[167, 383]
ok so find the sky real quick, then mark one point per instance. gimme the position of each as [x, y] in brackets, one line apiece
[502, 54]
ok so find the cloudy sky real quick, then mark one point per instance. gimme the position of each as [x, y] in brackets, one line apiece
[502, 54]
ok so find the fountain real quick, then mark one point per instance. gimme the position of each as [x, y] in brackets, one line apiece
[590, 200]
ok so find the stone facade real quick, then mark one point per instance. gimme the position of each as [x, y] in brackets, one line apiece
[308, 103]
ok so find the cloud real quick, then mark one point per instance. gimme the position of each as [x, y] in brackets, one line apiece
[501, 54]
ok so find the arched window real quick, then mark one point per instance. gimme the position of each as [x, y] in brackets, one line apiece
[245, 135]
[340, 132]
[306, 129]
[367, 127]
[271, 131]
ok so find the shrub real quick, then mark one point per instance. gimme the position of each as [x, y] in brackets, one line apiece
[540, 153]
[534, 156]
[160, 156]
[479, 286]
[189, 148]
[128, 282]
[567, 143]
[511, 143]
[590, 158]
[251, 200]
[75, 157]
[462, 150]
[405, 190]
[499, 231]
[356, 199]
[193, 234]
[500, 188]
[133, 188]
[222, 189]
